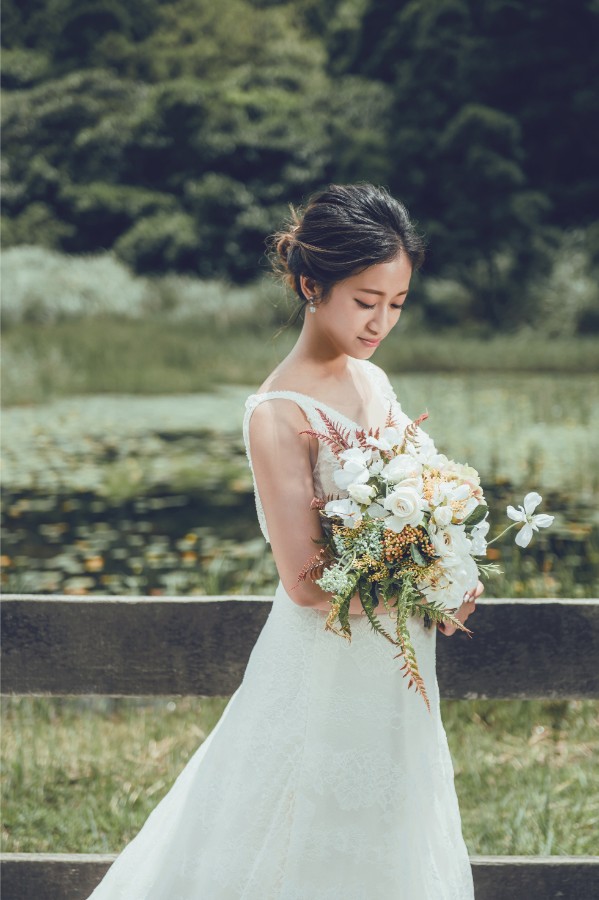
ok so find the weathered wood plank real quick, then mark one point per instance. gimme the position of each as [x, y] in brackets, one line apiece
[535, 877]
[73, 877]
[51, 876]
[128, 646]
[125, 646]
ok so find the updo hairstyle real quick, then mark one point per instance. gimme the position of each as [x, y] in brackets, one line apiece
[343, 230]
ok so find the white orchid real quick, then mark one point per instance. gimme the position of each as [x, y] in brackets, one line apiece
[478, 536]
[390, 439]
[361, 493]
[375, 467]
[355, 468]
[347, 510]
[531, 522]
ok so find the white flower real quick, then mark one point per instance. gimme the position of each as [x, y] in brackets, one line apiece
[525, 514]
[478, 537]
[424, 449]
[390, 439]
[346, 509]
[355, 468]
[361, 493]
[376, 466]
[401, 468]
[442, 515]
[451, 544]
[405, 505]
[376, 511]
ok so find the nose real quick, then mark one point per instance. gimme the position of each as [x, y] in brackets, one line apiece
[378, 321]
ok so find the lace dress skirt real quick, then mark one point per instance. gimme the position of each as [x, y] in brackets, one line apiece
[325, 778]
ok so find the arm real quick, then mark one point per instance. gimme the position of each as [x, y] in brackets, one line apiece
[283, 473]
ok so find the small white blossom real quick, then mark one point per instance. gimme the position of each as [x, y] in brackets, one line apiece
[442, 515]
[355, 468]
[335, 580]
[390, 439]
[376, 511]
[347, 510]
[376, 466]
[478, 537]
[402, 468]
[361, 493]
[525, 514]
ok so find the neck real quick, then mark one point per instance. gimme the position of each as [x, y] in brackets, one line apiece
[322, 357]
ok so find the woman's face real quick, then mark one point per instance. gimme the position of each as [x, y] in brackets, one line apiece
[360, 311]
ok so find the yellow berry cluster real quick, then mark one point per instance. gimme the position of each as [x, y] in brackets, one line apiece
[376, 568]
[397, 546]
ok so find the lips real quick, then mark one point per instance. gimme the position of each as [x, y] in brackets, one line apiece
[370, 343]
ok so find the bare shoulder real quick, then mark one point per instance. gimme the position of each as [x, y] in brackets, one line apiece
[276, 426]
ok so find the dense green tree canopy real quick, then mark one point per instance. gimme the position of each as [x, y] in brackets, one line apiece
[176, 133]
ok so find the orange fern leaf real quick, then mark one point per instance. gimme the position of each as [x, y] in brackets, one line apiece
[391, 421]
[410, 668]
[410, 430]
[335, 437]
[315, 566]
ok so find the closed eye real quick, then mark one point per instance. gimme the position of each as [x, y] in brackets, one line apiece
[367, 306]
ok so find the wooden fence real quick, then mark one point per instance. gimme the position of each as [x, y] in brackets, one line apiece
[122, 646]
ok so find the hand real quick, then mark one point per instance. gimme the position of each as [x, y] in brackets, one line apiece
[466, 609]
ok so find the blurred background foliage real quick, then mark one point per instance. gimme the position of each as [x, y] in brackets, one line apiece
[174, 134]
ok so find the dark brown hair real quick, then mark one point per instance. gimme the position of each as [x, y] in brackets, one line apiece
[342, 231]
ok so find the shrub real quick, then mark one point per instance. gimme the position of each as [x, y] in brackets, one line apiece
[162, 242]
[40, 285]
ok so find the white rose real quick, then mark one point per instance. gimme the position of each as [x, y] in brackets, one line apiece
[401, 468]
[361, 493]
[404, 504]
[462, 472]
[442, 515]
[451, 543]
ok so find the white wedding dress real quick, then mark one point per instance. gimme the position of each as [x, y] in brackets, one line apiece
[325, 776]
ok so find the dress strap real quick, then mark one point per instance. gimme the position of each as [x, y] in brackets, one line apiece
[380, 379]
[307, 406]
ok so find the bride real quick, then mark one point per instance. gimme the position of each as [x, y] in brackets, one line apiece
[325, 778]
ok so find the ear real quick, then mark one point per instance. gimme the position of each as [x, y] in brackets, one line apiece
[310, 287]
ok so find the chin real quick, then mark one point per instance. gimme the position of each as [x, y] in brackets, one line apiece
[365, 350]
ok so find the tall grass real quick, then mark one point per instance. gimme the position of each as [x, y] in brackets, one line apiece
[156, 356]
[86, 324]
[83, 775]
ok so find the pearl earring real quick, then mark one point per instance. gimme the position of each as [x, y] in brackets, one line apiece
[312, 308]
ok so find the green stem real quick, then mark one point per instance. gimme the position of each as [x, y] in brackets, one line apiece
[497, 536]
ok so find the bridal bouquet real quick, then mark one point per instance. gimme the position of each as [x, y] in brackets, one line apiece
[406, 536]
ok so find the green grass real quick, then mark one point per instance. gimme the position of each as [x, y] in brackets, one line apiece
[83, 775]
[155, 355]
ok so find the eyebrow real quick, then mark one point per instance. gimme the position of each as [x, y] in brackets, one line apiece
[380, 293]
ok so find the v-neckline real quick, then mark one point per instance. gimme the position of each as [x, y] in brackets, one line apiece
[325, 406]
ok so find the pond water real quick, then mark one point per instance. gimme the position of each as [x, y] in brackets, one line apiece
[114, 494]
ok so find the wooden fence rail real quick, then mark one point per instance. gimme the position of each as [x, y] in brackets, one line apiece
[124, 646]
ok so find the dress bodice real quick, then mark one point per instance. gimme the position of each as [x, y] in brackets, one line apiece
[326, 463]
